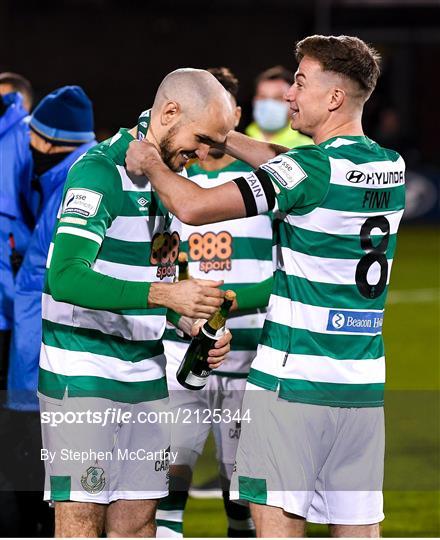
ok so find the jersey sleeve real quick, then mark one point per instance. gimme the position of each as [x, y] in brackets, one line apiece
[72, 280]
[91, 199]
[295, 181]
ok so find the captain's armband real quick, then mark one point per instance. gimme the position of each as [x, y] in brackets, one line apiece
[257, 191]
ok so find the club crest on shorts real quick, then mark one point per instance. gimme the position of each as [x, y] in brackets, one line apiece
[93, 480]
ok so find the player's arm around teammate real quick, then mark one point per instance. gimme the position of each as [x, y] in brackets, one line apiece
[71, 266]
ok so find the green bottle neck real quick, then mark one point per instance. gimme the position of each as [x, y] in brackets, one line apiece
[183, 271]
[218, 320]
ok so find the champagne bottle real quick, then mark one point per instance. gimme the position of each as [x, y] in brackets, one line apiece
[194, 369]
[182, 262]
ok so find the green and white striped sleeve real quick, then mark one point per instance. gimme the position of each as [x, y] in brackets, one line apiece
[91, 201]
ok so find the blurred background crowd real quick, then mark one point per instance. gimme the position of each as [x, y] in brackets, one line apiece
[119, 52]
[83, 68]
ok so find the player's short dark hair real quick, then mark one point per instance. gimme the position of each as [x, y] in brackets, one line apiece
[275, 73]
[18, 83]
[226, 78]
[346, 55]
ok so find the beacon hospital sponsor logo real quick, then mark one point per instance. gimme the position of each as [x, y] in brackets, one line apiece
[358, 322]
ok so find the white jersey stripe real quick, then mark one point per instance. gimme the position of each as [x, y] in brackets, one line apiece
[306, 317]
[371, 175]
[130, 327]
[326, 270]
[49, 255]
[244, 271]
[338, 222]
[135, 228]
[253, 227]
[81, 363]
[138, 183]
[256, 320]
[127, 272]
[319, 368]
[80, 232]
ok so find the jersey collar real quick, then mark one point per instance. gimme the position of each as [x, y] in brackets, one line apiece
[143, 124]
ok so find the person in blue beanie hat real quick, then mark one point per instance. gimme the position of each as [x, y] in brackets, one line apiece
[16, 219]
[61, 130]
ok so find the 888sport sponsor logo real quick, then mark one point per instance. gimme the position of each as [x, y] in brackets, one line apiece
[213, 250]
[164, 252]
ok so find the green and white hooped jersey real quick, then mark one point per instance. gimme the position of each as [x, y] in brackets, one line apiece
[340, 205]
[238, 251]
[113, 354]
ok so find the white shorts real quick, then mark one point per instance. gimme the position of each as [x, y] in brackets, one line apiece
[87, 461]
[215, 407]
[322, 463]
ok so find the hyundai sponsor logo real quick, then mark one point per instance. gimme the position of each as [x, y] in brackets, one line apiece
[355, 177]
[359, 322]
[376, 178]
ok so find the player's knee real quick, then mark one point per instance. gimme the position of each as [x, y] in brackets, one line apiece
[131, 518]
[132, 527]
[79, 519]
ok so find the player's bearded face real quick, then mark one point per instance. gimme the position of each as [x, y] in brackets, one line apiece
[172, 153]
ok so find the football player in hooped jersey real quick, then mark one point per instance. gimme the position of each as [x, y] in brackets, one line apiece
[314, 447]
[109, 281]
[240, 253]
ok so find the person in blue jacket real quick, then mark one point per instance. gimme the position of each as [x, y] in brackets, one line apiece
[16, 218]
[14, 82]
[61, 130]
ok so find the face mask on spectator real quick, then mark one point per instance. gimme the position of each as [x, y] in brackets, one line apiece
[270, 114]
[43, 162]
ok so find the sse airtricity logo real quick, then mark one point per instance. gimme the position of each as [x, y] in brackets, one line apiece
[338, 320]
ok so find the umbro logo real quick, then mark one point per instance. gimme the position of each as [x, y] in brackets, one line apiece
[143, 204]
